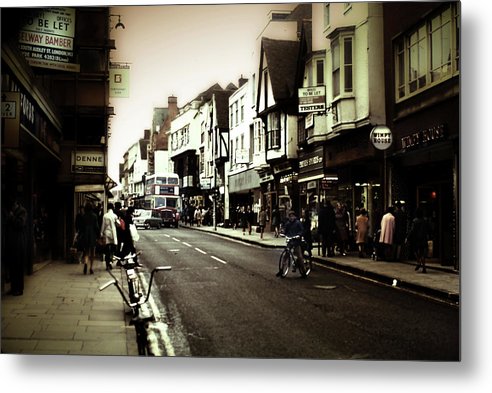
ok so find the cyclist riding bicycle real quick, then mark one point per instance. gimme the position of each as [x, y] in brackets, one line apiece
[292, 228]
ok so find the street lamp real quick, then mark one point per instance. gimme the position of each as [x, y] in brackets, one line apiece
[119, 24]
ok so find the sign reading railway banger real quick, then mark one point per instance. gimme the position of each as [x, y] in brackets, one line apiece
[47, 36]
[312, 99]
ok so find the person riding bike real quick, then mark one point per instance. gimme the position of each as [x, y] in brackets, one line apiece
[292, 228]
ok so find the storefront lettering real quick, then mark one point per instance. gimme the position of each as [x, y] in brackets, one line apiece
[310, 161]
[420, 137]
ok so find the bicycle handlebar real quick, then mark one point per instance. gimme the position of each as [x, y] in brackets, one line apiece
[115, 282]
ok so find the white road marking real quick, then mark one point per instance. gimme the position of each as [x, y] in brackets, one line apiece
[187, 244]
[218, 259]
[176, 240]
[175, 250]
[167, 235]
[203, 252]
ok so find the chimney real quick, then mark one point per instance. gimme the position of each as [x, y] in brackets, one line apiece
[146, 134]
[172, 106]
[242, 81]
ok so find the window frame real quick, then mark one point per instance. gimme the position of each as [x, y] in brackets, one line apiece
[273, 136]
[406, 86]
[342, 64]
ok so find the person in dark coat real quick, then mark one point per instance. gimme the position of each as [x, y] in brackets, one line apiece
[127, 246]
[400, 230]
[16, 245]
[327, 229]
[418, 235]
[89, 234]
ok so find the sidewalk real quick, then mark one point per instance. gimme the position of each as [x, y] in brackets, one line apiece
[62, 312]
[440, 282]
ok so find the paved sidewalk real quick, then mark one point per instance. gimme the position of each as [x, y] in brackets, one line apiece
[440, 282]
[62, 312]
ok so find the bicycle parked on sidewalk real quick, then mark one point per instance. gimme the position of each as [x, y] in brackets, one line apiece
[134, 296]
[289, 259]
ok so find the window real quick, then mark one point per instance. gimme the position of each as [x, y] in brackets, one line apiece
[231, 121]
[428, 54]
[320, 72]
[236, 106]
[258, 135]
[242, 109]
[273, 133]
[342, 65]
[326, 15]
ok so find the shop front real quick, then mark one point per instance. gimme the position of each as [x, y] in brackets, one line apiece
[425, 174]
[31, 134]
[353, 175]
[244, 190]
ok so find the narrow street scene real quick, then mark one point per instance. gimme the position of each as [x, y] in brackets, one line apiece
[232, 181]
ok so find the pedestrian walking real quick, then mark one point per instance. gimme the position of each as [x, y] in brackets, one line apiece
[89, 236]
[276, 220]
[16, 245]
[109, 233]
[250, 217]
[342, 227]
[400, 230]
[386, 237]
[308, 235]
[361, 227]
[262, 219]
[327, 229]
[127, 245]
[418, 237]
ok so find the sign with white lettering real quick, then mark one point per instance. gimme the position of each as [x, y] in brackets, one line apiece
[312, 99]
[47, 36]
[88, 162]
[381, 137]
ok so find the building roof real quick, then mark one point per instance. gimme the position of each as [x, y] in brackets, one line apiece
[222, 105]
[282, 58]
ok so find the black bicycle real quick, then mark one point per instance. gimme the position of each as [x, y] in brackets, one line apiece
[134, 296]
[288, 258]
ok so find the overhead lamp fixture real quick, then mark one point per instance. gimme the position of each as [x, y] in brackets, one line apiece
[119, 24]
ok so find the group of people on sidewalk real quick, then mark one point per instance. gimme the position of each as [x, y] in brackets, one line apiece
[111, 234]
[334, 227]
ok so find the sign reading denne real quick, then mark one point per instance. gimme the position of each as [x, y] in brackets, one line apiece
[312, 99]
[88, 162]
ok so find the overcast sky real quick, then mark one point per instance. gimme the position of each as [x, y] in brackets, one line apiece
[178, 50]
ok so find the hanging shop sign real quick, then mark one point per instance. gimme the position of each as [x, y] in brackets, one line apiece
[88, 162]
[119, 80]
[46, 38]
[312, 99]
[381, 137]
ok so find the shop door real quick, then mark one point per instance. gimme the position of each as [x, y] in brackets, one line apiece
[429, 198]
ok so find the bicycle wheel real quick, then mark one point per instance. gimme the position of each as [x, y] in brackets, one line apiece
[284, 263]
[306, 268]
[133, 294]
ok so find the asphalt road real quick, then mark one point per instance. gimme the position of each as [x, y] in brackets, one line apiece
[222, 299]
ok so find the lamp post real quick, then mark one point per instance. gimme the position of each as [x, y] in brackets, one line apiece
[382, 138]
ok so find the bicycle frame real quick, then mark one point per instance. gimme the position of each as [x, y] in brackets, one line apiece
[133, 298]
[288, 258]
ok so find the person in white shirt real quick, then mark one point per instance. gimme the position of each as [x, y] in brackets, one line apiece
[108, 232]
